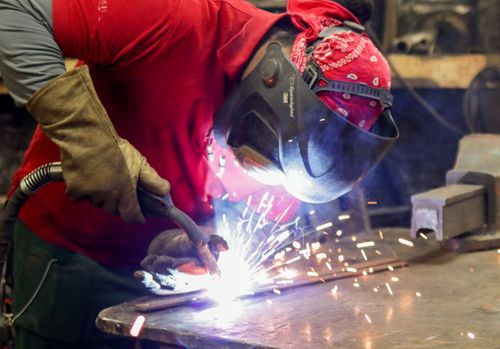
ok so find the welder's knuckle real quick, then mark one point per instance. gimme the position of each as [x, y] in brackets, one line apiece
[148, 262]
[173, 243]
[162, 263]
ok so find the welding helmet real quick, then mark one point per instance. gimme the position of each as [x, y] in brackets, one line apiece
[274, 122]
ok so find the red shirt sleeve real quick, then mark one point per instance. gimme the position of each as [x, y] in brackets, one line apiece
[117, 32]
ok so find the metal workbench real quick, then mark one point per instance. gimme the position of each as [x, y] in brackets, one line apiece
[440, 300]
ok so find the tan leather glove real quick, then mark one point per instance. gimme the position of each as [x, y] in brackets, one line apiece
[97, 164]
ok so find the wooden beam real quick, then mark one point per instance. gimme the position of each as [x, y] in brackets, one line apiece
[447, 71]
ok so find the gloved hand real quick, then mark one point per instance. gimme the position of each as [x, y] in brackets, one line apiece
[172, 250]
[97, 164]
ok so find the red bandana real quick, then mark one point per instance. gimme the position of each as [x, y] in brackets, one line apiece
[344, 56]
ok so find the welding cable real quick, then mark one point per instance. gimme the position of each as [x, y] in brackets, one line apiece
[413, 92]
[30, 184]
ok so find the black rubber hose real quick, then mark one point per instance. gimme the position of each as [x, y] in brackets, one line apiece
[151, 204]
[29, 185]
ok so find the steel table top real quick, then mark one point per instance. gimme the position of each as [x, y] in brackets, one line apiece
[441, 300]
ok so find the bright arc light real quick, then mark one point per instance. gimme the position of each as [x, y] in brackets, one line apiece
[235, 280]
[256, 256]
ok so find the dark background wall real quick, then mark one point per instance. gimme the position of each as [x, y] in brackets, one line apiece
[16, 129]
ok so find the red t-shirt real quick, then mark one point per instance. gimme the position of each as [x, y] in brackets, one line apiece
[161, 69]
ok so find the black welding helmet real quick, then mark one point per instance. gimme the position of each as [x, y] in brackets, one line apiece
[274, 123]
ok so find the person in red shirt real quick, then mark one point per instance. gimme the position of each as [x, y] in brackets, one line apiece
[163, 81]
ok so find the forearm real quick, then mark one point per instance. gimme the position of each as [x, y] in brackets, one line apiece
[29, 55]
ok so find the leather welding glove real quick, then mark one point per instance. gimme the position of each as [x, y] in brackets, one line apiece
[172, 249]
[97, 164]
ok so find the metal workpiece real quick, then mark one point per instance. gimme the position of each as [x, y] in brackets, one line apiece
[157, 303]
[449, 211]
[478, 162]
[470, 202]
[440, 300]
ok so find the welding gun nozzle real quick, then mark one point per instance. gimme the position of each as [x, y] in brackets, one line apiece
[207, 258]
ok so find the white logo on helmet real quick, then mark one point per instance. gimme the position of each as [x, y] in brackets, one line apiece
[343, 112]
[285, 97]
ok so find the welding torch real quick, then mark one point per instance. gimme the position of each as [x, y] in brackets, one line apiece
[152, 205]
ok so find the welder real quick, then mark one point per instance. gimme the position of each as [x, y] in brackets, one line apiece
[301, 99]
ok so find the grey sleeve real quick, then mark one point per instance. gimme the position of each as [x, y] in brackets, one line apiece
[29, 55]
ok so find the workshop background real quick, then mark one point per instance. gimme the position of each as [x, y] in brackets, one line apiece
[445, 59]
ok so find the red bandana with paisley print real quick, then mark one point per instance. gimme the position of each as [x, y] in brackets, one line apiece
[345, 56]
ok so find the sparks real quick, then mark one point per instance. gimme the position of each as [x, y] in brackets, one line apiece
[471, 335]
[389, 289]
[324, 226]
[137, 326]
[315, 246]
[405, 242]
[364, 255]
[293, 260]
[365, 244]
[368, 319]
[351, 270]
[343, 217]
[321, 256]
[381, 234]
[423, 236]
[306, 252]
[334, 290]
